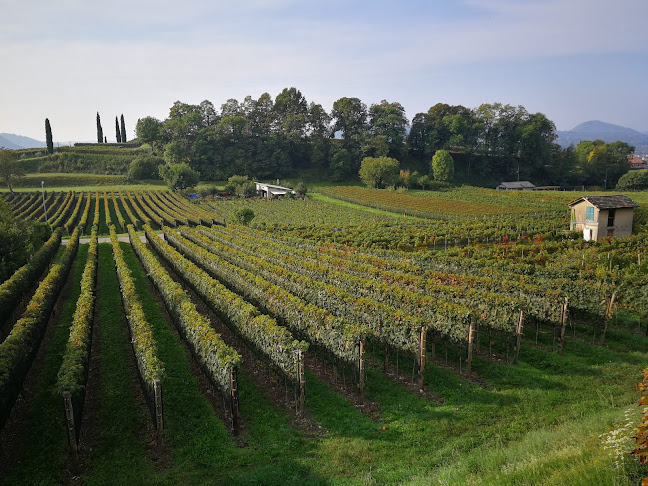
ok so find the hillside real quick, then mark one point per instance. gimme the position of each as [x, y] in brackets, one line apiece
[608, 132]
[17, 142]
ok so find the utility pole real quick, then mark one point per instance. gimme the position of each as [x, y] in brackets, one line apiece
[44, 208]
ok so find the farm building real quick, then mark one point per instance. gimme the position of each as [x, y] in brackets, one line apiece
[602, 216]
[516, 186]
[271, 191]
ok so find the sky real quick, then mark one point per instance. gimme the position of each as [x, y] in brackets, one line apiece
[66, 60]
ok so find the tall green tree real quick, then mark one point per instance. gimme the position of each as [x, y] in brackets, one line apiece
[350, 120]
[100, 135]
[379, 171]
[442, 166]
[123, 129]
[10, 169]
[291, 118]
[602, 164]
[48, 137]
[388, 120]
[117, 131]
[149, 130]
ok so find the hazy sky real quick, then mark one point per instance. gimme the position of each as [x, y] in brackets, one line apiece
[573, 60]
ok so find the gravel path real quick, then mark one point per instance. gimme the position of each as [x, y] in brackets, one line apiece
[106, 239]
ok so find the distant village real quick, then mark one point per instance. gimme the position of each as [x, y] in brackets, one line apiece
[639, 161]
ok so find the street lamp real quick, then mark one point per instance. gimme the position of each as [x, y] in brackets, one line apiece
[44, 208]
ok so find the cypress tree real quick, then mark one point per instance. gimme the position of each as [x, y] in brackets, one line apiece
[100, 135]
[105, 139]
[48, 137]
[123, 129]
[117, 132]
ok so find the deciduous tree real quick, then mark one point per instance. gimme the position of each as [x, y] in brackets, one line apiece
[442, 166]
[149, 130]
[10, 169]
[379, 171]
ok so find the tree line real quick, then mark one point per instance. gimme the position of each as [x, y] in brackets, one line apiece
[266, 138]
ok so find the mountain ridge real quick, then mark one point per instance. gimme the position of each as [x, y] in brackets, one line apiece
[17, 142]
[608, 132]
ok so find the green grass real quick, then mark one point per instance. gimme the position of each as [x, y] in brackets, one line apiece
[120, 456]
[46, 445]
[339, 202]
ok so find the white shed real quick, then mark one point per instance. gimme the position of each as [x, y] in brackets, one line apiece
[271, 191]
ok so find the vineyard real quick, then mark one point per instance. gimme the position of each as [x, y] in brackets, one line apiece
[152, 341]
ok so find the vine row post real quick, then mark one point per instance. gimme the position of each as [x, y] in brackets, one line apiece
[361, 367]
[563, 325]
[470, 347]
[70, 425]
[301, 376]
[518, 337]
[233, 399]
[422, 357]
[159, 413]
[608, 316]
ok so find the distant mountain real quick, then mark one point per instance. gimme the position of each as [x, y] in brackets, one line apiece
[15, 142]
[598, 130]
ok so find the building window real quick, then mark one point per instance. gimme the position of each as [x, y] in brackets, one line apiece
[589, 213]
[611, 217]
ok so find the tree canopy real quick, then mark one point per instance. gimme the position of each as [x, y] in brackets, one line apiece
[379, 171]
[442, 166]
[10, 169]
[267, 138]
[635, 180]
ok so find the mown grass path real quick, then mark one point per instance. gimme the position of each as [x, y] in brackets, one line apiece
[121, 455]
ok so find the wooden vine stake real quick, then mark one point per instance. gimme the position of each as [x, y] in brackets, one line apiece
[234, 401]
[608, 316]
[470, 348]
[518, 337]
[563, 325]
[422, 358]
[70, 426]
[301, 376]
[361, 368]
[159, 413]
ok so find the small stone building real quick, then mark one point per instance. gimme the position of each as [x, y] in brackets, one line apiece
[599, 217]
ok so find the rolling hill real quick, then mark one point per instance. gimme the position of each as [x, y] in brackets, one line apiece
[608, 132]
[16, 142]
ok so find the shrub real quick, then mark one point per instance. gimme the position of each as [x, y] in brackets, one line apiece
[145, 167]
[179, 176]
[636, 180]
[243, 216]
